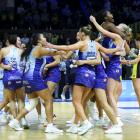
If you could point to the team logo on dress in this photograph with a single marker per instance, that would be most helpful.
(18, 82)
(9, 83)
(117, 71)
(86, 75)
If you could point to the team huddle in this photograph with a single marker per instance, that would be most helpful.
(34, 69)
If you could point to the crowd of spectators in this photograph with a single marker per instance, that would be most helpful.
(62, 14)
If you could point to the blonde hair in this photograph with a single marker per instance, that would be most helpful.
(125, 28)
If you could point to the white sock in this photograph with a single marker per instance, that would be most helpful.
(50, 125)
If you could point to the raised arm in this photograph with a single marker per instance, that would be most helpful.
(72, 47)
(103, 31)
(112, 28)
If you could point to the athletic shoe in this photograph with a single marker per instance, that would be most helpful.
(15, 125)
(73, 129)
(52, 129)
(92, 121)
(115, 129)
(84, 128)
(120, 123)
(24, 123)
(101, 122)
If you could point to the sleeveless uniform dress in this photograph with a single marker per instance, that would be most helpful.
(85, 74)
(101, 77)
(113, 67)
(33, 74)
(53, 74)
(12, 79)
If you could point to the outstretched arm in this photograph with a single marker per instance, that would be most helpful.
(49, 52)
(72, 47)
(68, 55)
(135, 60)
(106, 51)
(90, 62)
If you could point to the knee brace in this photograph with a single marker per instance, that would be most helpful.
(32, 104)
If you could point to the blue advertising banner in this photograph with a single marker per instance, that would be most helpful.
(128, 93)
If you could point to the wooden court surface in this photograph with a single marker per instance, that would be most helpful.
(64, 111)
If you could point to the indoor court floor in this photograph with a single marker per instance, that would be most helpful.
(64, 111)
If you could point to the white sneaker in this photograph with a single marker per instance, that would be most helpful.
(15, 125)
(92, 121)
(120, 123)
(24, 123)
(73, 129)
(101, 122)
(63, 97)
(84, 128)
(115, 129)
(3, 118)
(52, 129)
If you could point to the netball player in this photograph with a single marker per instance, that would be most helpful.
(12, 79)
(85, 74)
(33, 60)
